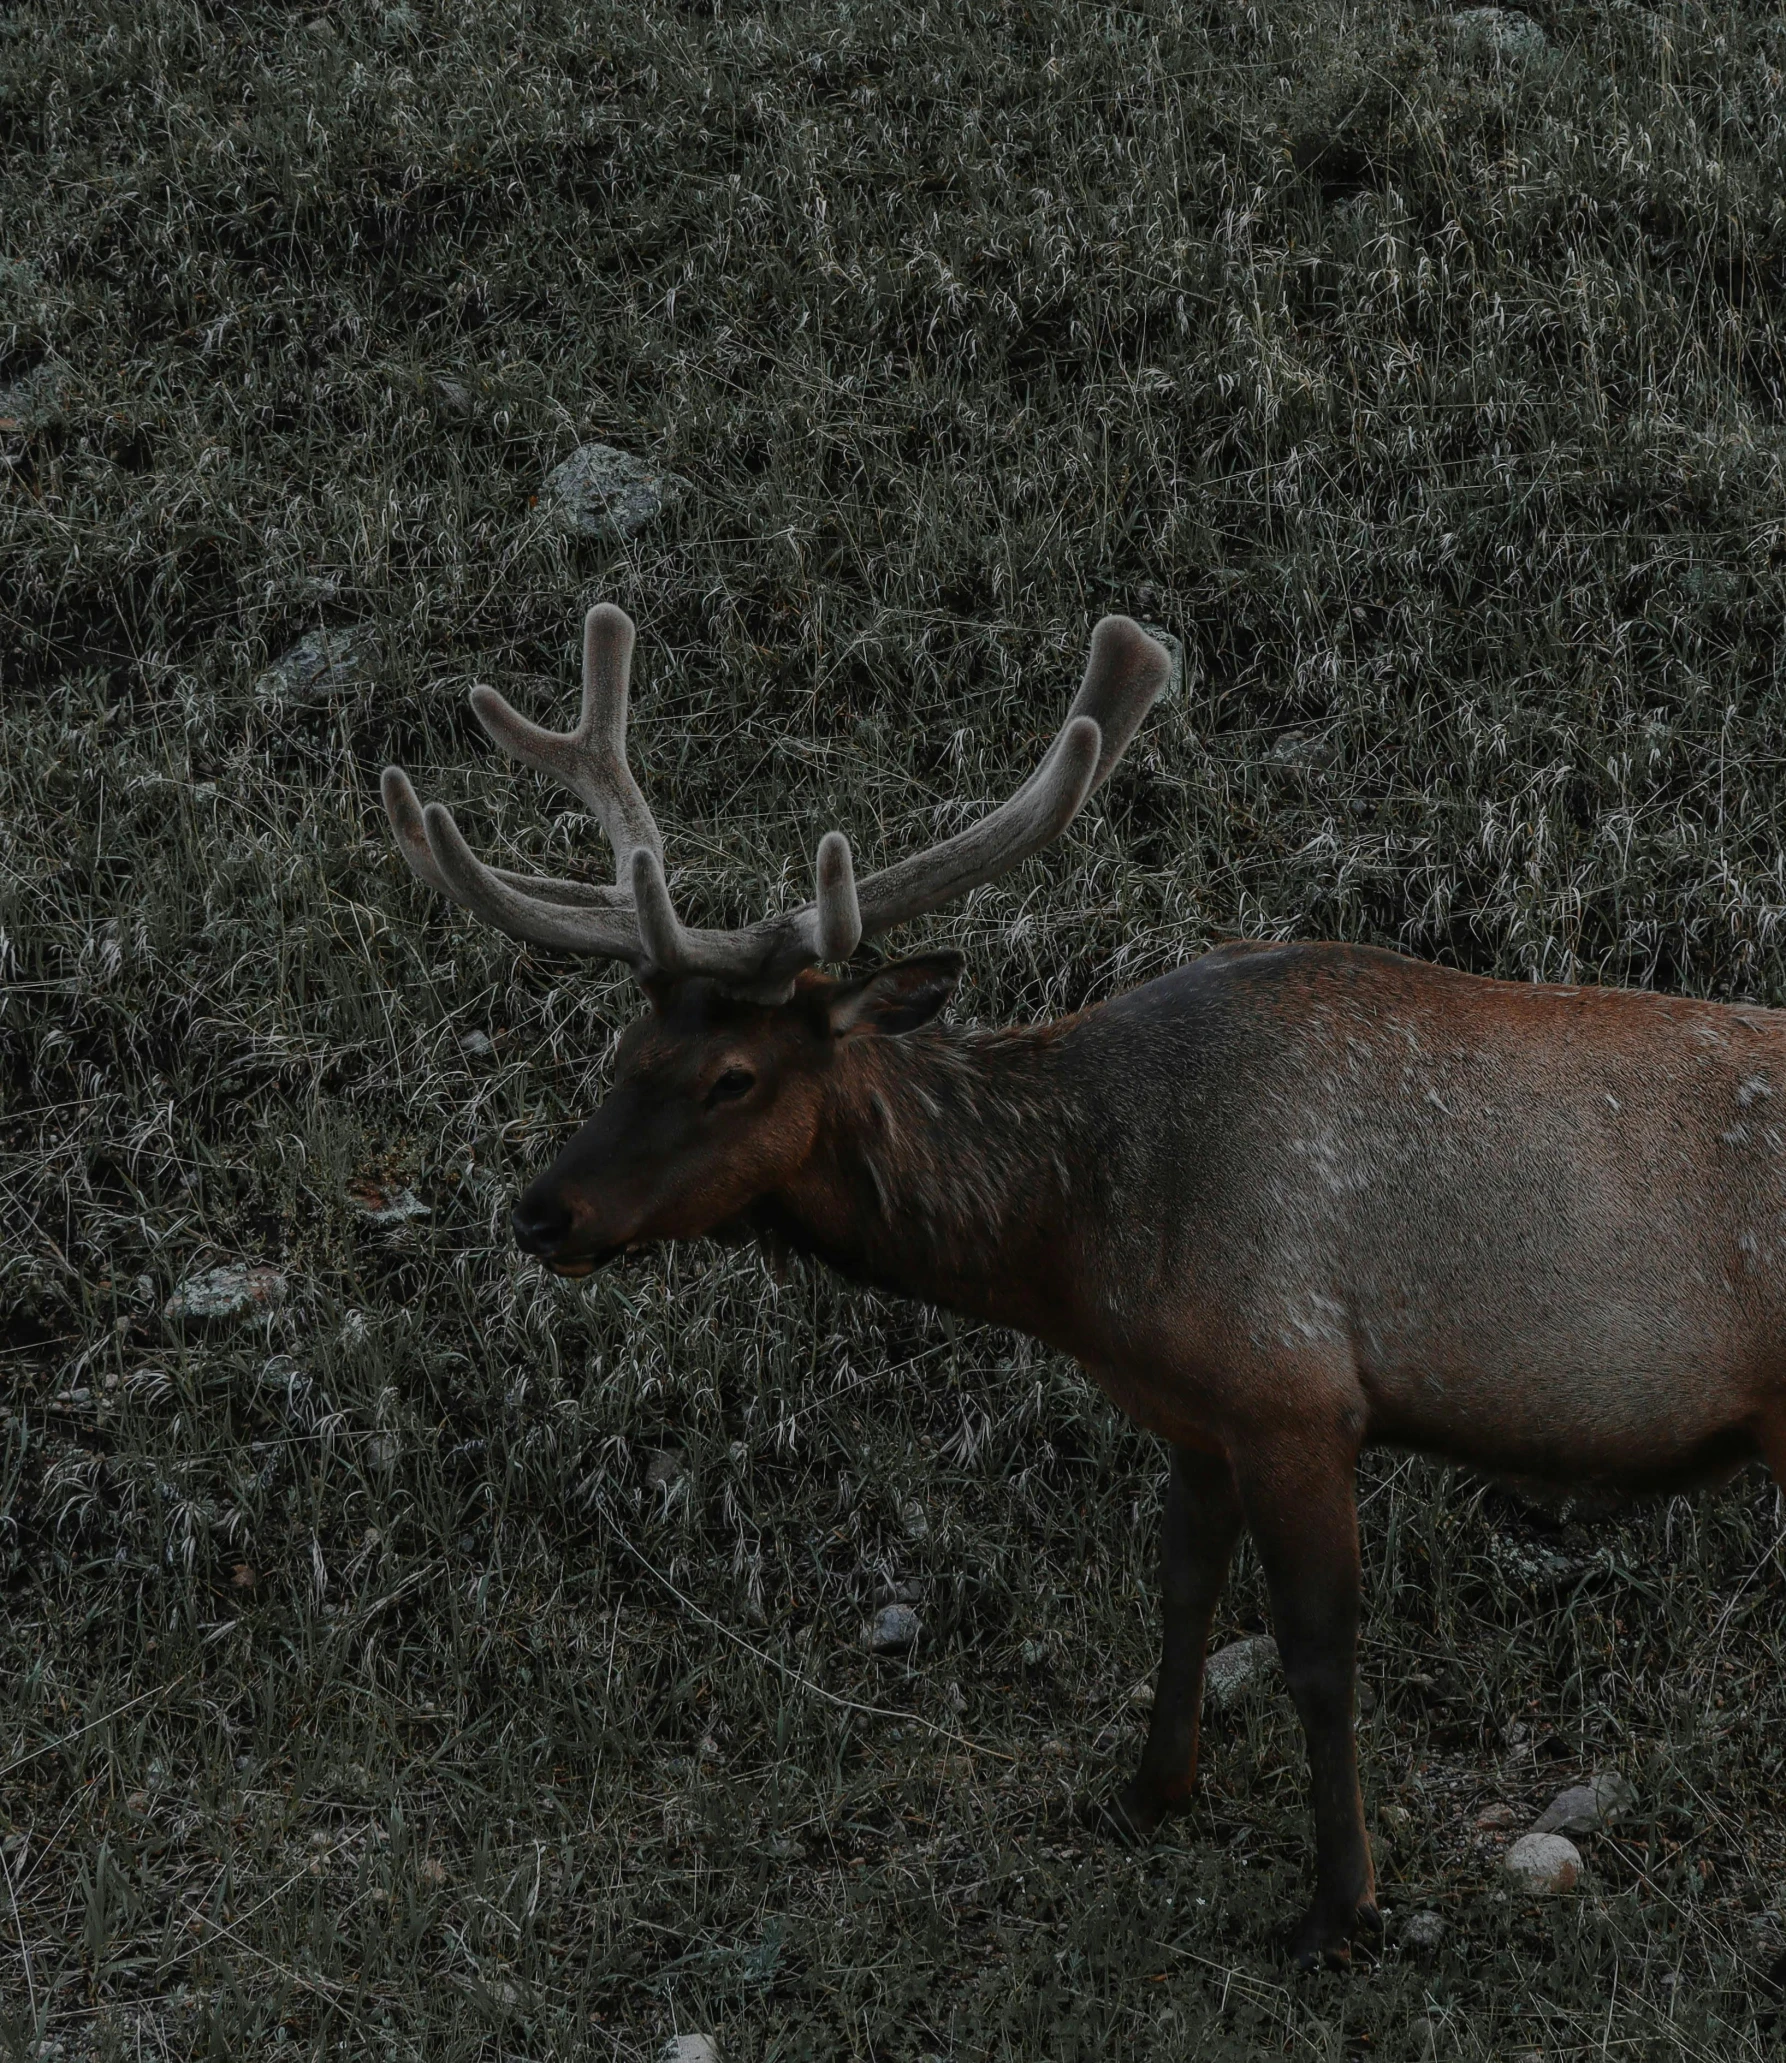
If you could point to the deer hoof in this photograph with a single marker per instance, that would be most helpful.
(1130, 1816)
(1323, 1937)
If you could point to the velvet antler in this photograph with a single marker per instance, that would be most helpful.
(636, 921)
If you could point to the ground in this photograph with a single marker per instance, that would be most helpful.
(441, 1661)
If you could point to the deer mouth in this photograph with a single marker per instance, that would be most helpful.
(573, 1267)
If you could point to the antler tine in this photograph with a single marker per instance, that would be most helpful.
(590, 760)
(1037, 814)
(405, 812)
(1124, 674)
(837, 914)
(512, 904)
(762, 959)
(404, 809)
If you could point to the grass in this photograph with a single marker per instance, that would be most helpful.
(367, 1687)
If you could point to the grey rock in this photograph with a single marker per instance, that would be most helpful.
(1574, 1811)
(1241, 1667)
(231, 1292)
(914, 1520)
(1422, 1932)
(454, 397)
(1614, 1795)
(477, 1045)
(318, 666)
(1543, 1864)
(665, 1468)
(892, 1630)
(1584, 1807)
(1498, 34)
(603, 491)
(690, 2048)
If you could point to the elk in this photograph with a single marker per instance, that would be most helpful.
(1282, 1202)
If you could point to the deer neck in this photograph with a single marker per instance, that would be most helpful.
(944, 1168)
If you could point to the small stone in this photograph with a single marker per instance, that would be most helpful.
(1543, 1864)
(1492, 1816)
(1614, 1795)
(1422, 1932)
(1240, 1667)
(316, 667)
(1499, 34)
(914, 1520)
(892, 1630)
(665, 1468)
(605, 492)
(383, 1204)
(690, 2048)
(1584, 1807)
(235, 1291)
(477, 1045)
(1574, 1811)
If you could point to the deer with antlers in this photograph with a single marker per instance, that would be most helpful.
(1283, 1202)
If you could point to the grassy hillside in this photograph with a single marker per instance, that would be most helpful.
(370, 1683)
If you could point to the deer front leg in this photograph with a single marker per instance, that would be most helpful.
(1202, 1523)
(1299, 1495)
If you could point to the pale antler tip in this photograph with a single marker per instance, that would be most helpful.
(839, 927)
(1122, 640)
(654, 913)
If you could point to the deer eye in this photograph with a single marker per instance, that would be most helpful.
(735, 1082)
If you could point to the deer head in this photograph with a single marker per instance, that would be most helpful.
(720, 1087)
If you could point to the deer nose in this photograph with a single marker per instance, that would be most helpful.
(542, 1223)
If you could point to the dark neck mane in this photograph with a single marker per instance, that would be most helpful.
(944, 1166)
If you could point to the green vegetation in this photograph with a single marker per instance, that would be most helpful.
(366, 1688)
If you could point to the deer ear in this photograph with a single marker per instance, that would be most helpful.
(893, 999)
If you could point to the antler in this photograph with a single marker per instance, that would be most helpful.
(636, 921)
